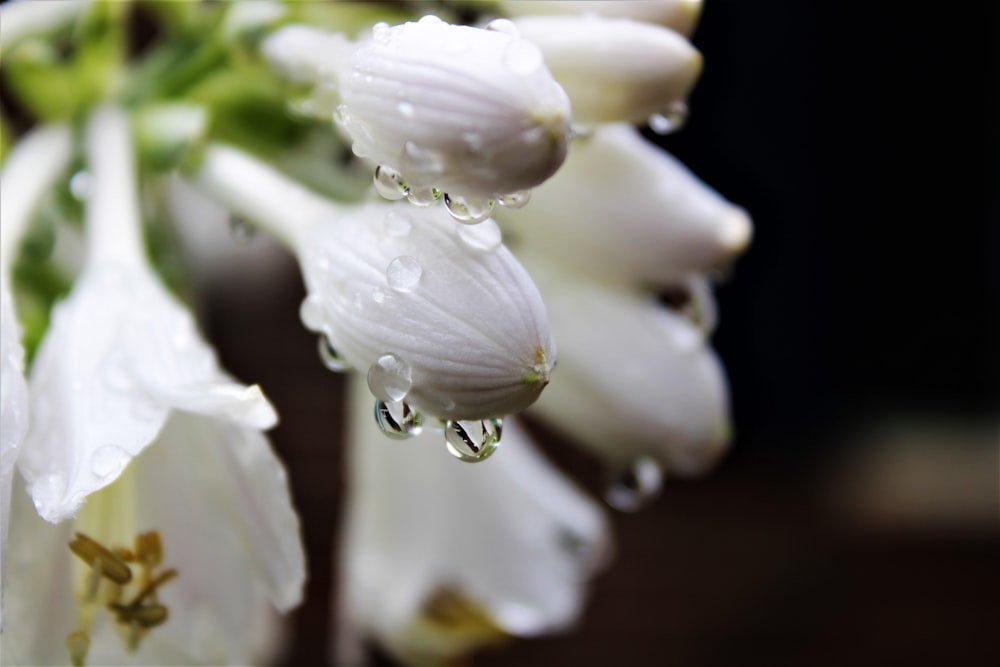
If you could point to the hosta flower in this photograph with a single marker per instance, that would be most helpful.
(679, 15)
(440, 558)
(122, 368)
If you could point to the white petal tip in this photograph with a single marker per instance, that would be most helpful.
(735, 231)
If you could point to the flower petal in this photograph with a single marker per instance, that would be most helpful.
(510, 538)
(680, 15)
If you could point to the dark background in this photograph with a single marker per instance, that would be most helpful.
(861, 137)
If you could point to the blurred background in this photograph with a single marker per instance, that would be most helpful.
(855, 520)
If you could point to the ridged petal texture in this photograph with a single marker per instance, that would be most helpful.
(469, 111)
(463, 323)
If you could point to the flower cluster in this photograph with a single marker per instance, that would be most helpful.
(148, 519)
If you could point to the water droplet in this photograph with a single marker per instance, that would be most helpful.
(424, 196)
(108, 461)
(484, 236)
(405, 109)
(397, 419)
(311, 313)
(473, 441)
(331, 358)
(81, 185)
(341, 116)
(670, 120)
(468, 210)
(403, 273)
(634, 485)
(505, 26)
(390, 378)
(241, 230)
(515, 200)
(389, 183)
(523, 57)
(397, 224)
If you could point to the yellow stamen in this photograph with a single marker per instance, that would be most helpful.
(101, 559)
(77, 643)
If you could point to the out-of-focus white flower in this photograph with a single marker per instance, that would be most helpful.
(120, 368)
(473, 113)
(625, 211)
(615, 69)
(27, 18)
(440, 559)
(679, 15)
(27, 174)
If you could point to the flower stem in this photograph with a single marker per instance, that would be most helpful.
(256, 191)
(33, 166)
(112, 210)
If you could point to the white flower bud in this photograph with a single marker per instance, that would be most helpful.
(469, 111)
(679, 15)
(634, 214)
(440, 313)
(615, 69)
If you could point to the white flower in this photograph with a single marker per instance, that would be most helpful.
(615, 69)
(679, 15)
(473, 113)
(441, 558)
(625, 211)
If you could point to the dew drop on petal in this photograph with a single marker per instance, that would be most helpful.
(634, 485)
(670, 120)
(397, 224)
(108, 461)
(523, 57)
(468, 210)
(240, 229)
(81, 184)
(424, 196)
(515, 200)
(390, 378)
(340, 115)
(397, 419)
(405, 109)
(473, 440)
(484, 236)
(504, 26)
(389, 183)
(311, 313)
(330, 357)
(403, 273)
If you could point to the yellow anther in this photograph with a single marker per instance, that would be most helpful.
(145, 616)
(149, 549)
(101, 559)
(152, 585)
(77, 643)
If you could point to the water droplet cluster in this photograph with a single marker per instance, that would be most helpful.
(634, 485)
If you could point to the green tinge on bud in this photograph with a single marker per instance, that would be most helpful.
(438, 313)
(615, 69)
(471, 112)
(165, 134)
(679, 15)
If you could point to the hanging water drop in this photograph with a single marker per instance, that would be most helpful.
(397, 419)
(468, 210)
(670, 120)
(515, 200)
(81, 185)
(331, 358)
(473, 441)
(403, 273)
(523, 57)
(504, 26)
(240, 229)
(424, 196)
(311, 313)
(389, 183)
(390, 378)
(634, 485)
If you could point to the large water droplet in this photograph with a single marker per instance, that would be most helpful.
(523, 57)
(504, 26)
(473, 441)
(311, 313)
(403, 273)
(389, 183)
(390, 378)
(240, 229)
(634, 485)
(397, 419)
(669, 120)
(81, 185)
(331, 358)
(108, 461)
(468, 210)
(423, 196)
(484, 236)
(515, 200)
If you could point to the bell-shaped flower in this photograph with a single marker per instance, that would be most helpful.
(622, 210)
(635, 379)
(616, 69)
(122, 367)
(470, 112)
(679, 15)
(437, 313)
(29, 171)
(440, 558)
